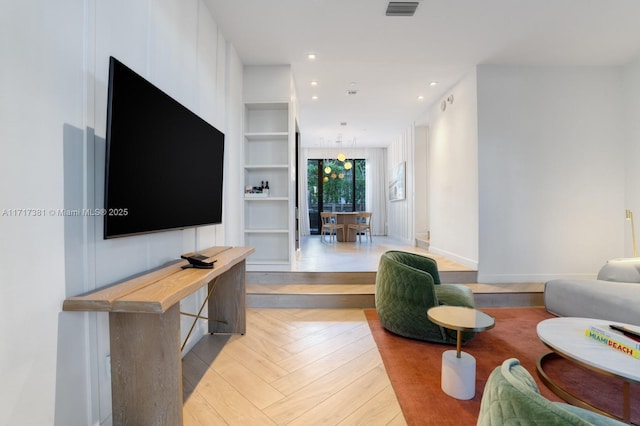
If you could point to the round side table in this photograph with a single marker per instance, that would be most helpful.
(458, 377)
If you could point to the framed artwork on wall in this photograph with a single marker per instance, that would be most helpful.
(397, 183)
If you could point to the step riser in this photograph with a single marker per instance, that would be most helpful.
(359, 301)
(458, 277)
(367, 301)
(446, 277)
(310, 277)
(311, 301)
(498, 300)
(423, 244)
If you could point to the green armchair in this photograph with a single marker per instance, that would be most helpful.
(407, 285)
(511, 397)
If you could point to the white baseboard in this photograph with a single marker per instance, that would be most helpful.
(452, 256)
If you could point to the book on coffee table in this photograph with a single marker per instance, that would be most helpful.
(615, 339)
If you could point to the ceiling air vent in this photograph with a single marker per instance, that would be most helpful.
(402, 8)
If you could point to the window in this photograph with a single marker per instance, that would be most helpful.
(334, 188)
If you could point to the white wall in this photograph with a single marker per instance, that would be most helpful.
(421, 181)
(40, 90)
(53, 112)
(551, 171)
(400, 213)
(453, 174)
(267, 83)
(531, 169)
(631, 104)
(234, 150)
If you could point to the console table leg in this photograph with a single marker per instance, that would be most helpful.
(227, 304)
(146, 368)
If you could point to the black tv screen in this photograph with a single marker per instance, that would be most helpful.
(164, 164)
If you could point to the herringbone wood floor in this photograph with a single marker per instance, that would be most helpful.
(293, 367)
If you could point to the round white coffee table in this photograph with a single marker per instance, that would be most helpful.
(458, 378)
(566, 337)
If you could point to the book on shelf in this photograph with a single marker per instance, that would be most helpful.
(615, 339)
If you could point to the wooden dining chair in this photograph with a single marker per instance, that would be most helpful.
(330, 224)
(362, 225)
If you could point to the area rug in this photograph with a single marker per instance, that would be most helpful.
(414, 369)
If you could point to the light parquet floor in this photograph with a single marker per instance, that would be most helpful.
(292, 367)
(298, 366)
(317, 255)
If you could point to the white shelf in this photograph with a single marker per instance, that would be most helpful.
(256, 106)
(266, 231)
(258, 136)
(268, 222)
(272, 246)
(266, 166)
(266, 199)
(267, 149)
(266, 118)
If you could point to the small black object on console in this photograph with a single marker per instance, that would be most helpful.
(198, 261)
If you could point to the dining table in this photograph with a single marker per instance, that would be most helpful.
(346, 219)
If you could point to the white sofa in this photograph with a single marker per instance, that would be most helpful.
(613, 296)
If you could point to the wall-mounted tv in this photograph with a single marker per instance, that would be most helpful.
(164, 164)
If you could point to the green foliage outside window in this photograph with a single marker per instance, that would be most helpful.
(334, 187)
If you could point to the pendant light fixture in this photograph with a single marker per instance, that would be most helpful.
(325, 159)
(348, 164)
(341, 156)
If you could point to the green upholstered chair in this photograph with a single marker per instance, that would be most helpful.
(407, 285)
(511, 397)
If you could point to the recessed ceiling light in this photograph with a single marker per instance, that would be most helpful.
(311, 56)
(433, 83)
(420, 97)
(314, 83)
(314, 97)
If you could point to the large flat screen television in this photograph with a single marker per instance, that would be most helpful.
(164, 164)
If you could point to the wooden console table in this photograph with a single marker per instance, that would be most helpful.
(144, 330)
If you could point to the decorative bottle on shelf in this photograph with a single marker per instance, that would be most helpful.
(261, 186)
(266, 189)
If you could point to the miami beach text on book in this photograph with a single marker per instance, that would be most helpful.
(614, 340)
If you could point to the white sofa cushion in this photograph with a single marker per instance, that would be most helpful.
(625, 270)
(605, 300)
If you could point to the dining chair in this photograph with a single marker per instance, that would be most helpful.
(362, 225)
(330, 224)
